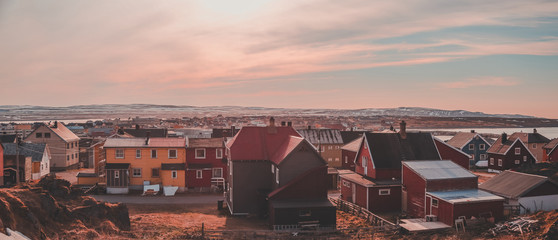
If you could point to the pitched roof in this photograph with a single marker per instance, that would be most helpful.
(530, 137)
(389, 149)
(440, 141)
(466, 196)
(512, 184)
(322, 136)
(353, 146)
(294, 184)
(260, 143)
(142, 132)
(285, 149)
(349, 136)
(358, 179)
(140, 142)
(502, 148)
(62, 131)
(7, 138)
(552, 144)
(205, 142)
(33, 150)
(173, 166)
(462, 138)
(435, 170)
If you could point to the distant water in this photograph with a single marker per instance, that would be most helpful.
(64, 120)
(549, 132)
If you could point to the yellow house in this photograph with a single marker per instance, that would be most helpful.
(132, 163)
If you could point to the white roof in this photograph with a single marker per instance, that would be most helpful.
(433, 170)
(466, 196)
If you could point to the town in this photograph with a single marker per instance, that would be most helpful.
(291, 175)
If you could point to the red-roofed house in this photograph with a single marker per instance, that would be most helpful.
(508, 153)
(448, 152)
(273, 170)
(348, 154)
(206, 166)
(551, 154)
(63, 145)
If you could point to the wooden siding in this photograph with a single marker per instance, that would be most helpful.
(448, 153)
(451, 184)
(415, 187)
(251, 182)
(544, 189)
(121, 181)
(63, 154)
(210, 158)
(508, 160)
(348, 158)
(1, 165)
(326, 216)
(384, 203)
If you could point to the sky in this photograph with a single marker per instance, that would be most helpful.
(477, 55)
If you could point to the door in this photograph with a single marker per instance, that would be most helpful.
(353, 187)
(428, 207)
(404, 200)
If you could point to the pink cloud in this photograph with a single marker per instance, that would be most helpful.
(481, 82)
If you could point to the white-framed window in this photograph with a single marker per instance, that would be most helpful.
(517, 151)
(482, 146)
(329, 147)
(534, 145)
(172, 153)
(525, 158)
(364, 161)
(329, 159)
(483, 157)
(517, 161)
(155, 172)
(217, 172)
(471, 146)
(337, 159)
(230, 167)
(499, 162)
(323, 149)
(277, 175)
(200, 153)
(491, 161)
(336, 147)
(384, 191)
(219, 153)
(138, 153)
(153, 153)
(117, 174)
(272, 168)
(304, 213)
(174, 174)
(346, 159)
(119, 153)
(199, 174)
(434, 202)
(136, 172)
(346, 184)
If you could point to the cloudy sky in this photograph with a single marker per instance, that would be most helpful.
(491, 56)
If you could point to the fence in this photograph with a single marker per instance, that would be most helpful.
(378, 223)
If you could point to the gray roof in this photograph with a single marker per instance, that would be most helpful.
(466, 196)
(33, 150)
(322, 136)
(434, 170)
(512, 184)
(173, 166)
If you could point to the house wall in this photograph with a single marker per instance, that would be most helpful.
(120, 182)
(348, 159)
(301, 160)
(87, 180)
(546, 188)
(250, 181)
(508, 160)
(537, 203)
(448, 153)
(210, 158)
(1, 165)
(146, 163)
(451, 184)
(476, 209)
(553, 156)
(537, 150)
(476, 152)
(331, 153)
(378, 174)
(346, 190)
(179, 181)
(415, 187)
(205, 182)
(310, 187)
(25, 166)
(64, 154)
(291, 216)
(98, 155)
(384, 203)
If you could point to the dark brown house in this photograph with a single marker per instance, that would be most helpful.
(508, 153)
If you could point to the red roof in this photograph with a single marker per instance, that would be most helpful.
(263, 143)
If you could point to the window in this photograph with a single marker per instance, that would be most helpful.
(153, 153)
(76, 155)
(155, 172)
(517, 161)
(119, 153)
(482, 146)
(434, 202)
(218, 153)
(174, 174)
(384, 192)
(336, 147)
(329, 147)
(304, 213)
(38, 135)
(72, 156)
(67, 158)
(364, 161)
(136, 172)
(172, 153)
(517, 151)
(116, 174)
(329, 159)
(337, 159)
(483, 157)
(277, 175)
(272, 168)
(200, 153)
(138, 153)
(525, 158)
(499, 162)
(346, 159)
(471, 146)
(199, 174)
(323, 149)
(67, 146)
(217, 172)
(346, 184)
(491, 161)
(534, 145)
(47, 135)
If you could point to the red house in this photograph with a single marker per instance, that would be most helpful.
(508, 153)
(445, 191)
(376, 184)
(206, 166)
(550, 151)
(448, 152)
(348, 154)
(1, 165)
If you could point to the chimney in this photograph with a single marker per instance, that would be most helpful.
(283, 123)
(272, 122)
(403, 130)
(290, 124)
(55, 124)
(472, 131)
(147, 135)
(504, 137)
(309, 127)
(271, 128)
(534, 130)
(232, 130)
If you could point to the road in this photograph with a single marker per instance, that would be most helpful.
(178, 199)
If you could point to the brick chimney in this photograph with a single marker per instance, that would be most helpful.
(137, 126)
(473, 131)
(55, 124)
(403, 130)
(283, 123)
(290, 124)
(147, 135)
(534, 130)
(271, 129)
(504, 137)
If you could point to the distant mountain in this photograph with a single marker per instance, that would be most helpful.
(26, 112)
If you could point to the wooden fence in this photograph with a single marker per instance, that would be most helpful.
(376, 221)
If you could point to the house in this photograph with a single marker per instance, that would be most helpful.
(448, 152)
(527, 192)
(224, 132)
(63, 145)
(134, 162)
(1, 165)
(206, 165)
(508, 153)
(8, 138)
(550, 151)
(39, 153)
(534, 142)
(145, 132)
(376, 183)
(445, 191)
(348, 154)
(274, 171)
(471, 143)
(15, 163)
(328, 142)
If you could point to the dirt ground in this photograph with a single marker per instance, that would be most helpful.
(484, 175)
